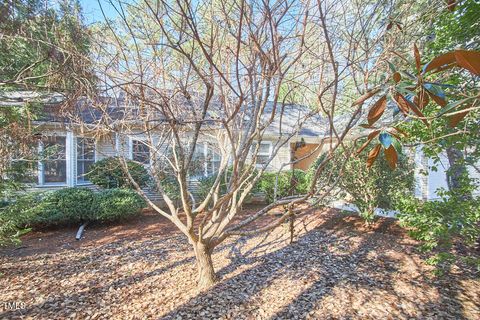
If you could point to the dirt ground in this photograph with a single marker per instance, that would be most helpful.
(144, 269)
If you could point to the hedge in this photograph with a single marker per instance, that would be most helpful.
(70, 206)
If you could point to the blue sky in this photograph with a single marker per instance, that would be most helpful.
(92, 12)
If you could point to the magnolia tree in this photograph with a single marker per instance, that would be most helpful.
(207, 81)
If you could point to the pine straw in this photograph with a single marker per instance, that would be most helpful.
(335, 269)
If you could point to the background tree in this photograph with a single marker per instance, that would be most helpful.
(43, 54)
(452, 223)
(436, 93)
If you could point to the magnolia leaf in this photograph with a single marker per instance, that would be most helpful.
(417, 57)
(377, 110)
(370, 137)
(435, 89)
(441, 102)
(451, 4)
(373, 134)
(405, 89)
(456, 118)
(391, 156)
(421, 99)
(397, 145)
(385, 139)
(396, 110)
(445, 67)
(412, 106)
(366, 126)
(469, 60)
(400, 131)
(402, 103)
(392, 67)
(393, 133)
(442, 60)
(419, 113)
(373, 155)
(397, 77)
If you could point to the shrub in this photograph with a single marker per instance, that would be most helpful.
(205, 184)
(16, 215)
(170, 186)
(371, 188)
(443, 224)
(108, 173)
(291, 182)
(67, 206)
(117, 204)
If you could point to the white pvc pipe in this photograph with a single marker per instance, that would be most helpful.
(80, 231)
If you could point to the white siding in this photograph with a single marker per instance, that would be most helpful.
(281, 159)
(105, 147)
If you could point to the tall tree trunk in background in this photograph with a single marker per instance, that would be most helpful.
(206, 272)
(457, 169)
(455, 173)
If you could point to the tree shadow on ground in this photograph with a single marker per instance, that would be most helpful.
(328, 259)
(352, 270)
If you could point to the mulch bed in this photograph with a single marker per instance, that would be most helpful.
(143, 268)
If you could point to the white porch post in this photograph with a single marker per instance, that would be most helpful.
(70, 158)
(40, 165)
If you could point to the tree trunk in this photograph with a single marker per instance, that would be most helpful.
(206, 272)
(457, 169)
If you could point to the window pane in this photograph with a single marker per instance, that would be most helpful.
(85, 157)
(85, 149)
(263, 154)
(197, 166)
(264, 148)
(140, 152)
(55, 171)
(213, 160)
(262, 159)
(54, 147)
(83, 167)
(55, 168)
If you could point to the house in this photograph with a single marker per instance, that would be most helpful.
(79, 143)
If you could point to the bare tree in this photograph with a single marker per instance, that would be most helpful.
(214, 78)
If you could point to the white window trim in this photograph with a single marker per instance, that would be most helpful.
(269, 153)
(75, 159)
(68, 163)
(117, 144)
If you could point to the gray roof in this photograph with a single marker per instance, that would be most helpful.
(288, 118)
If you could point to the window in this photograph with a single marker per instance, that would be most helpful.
(85, 157)
(213, 161)
(140, 152)
(54, 167)
(197, 166)
(206, 161)
(264, 152)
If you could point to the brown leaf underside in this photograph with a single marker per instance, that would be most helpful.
(391, 156)
(377, 110)
(373, 155)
